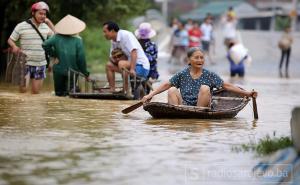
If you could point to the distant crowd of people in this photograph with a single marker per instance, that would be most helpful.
(189, 35)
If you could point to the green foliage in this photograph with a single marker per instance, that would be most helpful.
(95, 12)
(96, 49)
(266, 145)
(282, 22)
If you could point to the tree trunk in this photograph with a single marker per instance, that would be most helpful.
(3, 36)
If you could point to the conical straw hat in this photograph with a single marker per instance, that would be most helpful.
(69, 25)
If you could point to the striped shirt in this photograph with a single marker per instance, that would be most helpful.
(31, 42)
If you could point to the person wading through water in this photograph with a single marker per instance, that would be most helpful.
(31, 45)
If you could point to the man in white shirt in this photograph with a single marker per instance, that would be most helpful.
(137, 62)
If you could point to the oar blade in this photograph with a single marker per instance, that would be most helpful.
(132, 107)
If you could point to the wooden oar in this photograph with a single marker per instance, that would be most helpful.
(254, 108)
(132, 107)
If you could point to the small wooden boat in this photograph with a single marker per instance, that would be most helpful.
(98, 89)
(101, 95)
(225, 105)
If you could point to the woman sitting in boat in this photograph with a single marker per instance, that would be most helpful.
(195, 84)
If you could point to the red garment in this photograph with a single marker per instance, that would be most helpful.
(195, 37)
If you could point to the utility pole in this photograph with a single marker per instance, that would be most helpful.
(293, 15)
(273, 20)
(165, 9)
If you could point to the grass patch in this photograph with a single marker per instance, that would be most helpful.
(266, 145)
(269, 145)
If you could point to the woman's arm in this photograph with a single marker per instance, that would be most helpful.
(235, 89)
(160, 89)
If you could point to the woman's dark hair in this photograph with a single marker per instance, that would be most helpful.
(112, 26)
(193, 50)
(230, 44)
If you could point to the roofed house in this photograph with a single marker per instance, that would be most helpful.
(274, 10)
(218, 8)
(252, 14)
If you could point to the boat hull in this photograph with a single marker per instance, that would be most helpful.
(225, 105)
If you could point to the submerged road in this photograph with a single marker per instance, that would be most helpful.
(53, 140)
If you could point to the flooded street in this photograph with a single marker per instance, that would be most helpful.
(52, 140)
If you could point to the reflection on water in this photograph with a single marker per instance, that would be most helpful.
(53, 140)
